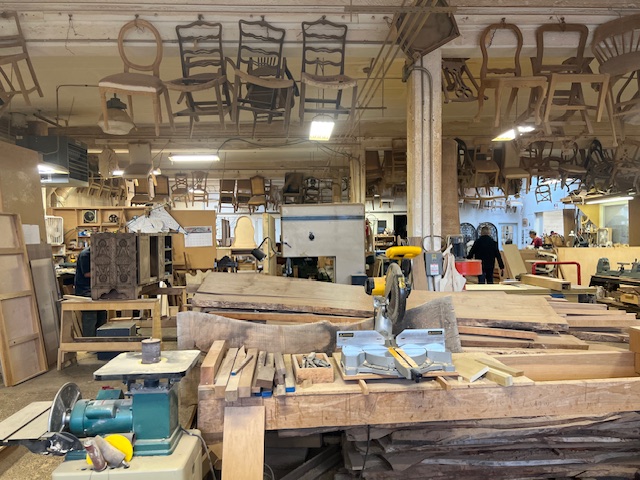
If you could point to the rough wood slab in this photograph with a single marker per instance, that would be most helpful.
(543, 341)
(247, 292)
(498, 332)
(243, 434)
(555, 284)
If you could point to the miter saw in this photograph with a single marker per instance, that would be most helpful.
(146, 413)
(413, 352)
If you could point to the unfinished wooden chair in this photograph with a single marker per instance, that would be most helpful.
(227, 194)
(261, 85)
(258, 194)
(203, 85)
(130, 83)
(180, 189)
(323, 59)
(13, 54)
(199, 187)
(455, 75)
(513, 177)
(506, 78)
(615, 45)
(243, 193)
(141, 192)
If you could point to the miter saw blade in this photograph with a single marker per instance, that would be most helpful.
(62, 405)
(396, 293)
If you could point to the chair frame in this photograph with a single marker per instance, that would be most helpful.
(199, 187)
(225, 192)
(181, 186)
(195, 55)
(154, 68)
(333, 46)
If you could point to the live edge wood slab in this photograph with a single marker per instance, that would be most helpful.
(342, 403)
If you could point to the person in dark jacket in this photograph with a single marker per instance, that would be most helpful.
(486, 249)
(91, 320)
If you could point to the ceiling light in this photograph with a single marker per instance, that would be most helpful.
(321, 130)
(156, 171)
(512, 133)
(117, 173)
(609, 199)
(119, 121)
(51, 168)
(194, 157)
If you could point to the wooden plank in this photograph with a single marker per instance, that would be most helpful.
(289, 379)
(497, 332)
(281, 369)
(262, 357)
(500, 377)
(231, 392)
(543, 341)
(555, 284)
(247, 374)
(222, 378)
(468, 368)
(590, 321)
(243, 434)
(514, 260)
(282, 317)
(9, 426)
(573, 366)
(47, 297)
(212, 362)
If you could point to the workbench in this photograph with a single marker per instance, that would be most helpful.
(70, 345)
(585, 383)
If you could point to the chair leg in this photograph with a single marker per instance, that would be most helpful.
(156, 114)
(480, 103)
(219, 103)
(303, 88)
(130, 101)
(167, 101)
(23, 88)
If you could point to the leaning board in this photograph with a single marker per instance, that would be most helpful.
(22, 352)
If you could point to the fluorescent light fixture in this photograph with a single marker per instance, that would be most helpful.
(608, 200)
(512, 133)
(117, 173)
(321, 130)
(156, 171)
(51, 168)
(120, 122)
(194, 157)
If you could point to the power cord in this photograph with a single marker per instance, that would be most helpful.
(272, 476)
(206, 449)
(366, 452)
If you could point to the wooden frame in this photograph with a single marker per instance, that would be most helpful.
(22, 350)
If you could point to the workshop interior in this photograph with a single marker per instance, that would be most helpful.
(322, 241)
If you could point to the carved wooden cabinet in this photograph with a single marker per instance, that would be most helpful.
(123, 263)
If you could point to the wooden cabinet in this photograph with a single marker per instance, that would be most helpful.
(123, 263)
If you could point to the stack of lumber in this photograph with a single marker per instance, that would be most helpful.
(241, 373)
(594, 321)
(532, 447)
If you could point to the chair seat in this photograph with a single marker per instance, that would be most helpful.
(512, 173)
(257, 200)
(330, 81)
(135, 82)
(485, 166)
(572, 169)
(625, 63)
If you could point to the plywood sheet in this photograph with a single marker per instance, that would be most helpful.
(47, 296)
(513, 258)
(196, 257)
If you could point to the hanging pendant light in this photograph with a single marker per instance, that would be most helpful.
(119, 121)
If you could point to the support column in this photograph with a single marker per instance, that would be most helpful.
(358, 173)
(424, 150)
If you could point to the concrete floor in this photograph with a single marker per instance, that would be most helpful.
(19, 463)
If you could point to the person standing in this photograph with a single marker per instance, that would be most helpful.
(91, 319)
(536, 241)
(486, 249)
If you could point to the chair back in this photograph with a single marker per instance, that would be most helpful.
(566, 34)
(615, 43)
(199, 180)
(162, 185)
(200, 46)
(486, 40)
(260, 49)
(140, 26)
(141, 186)
(323, 46)
(180, 182)
(243, 191)
(11, 43)
(293, 182)
(257, 185)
